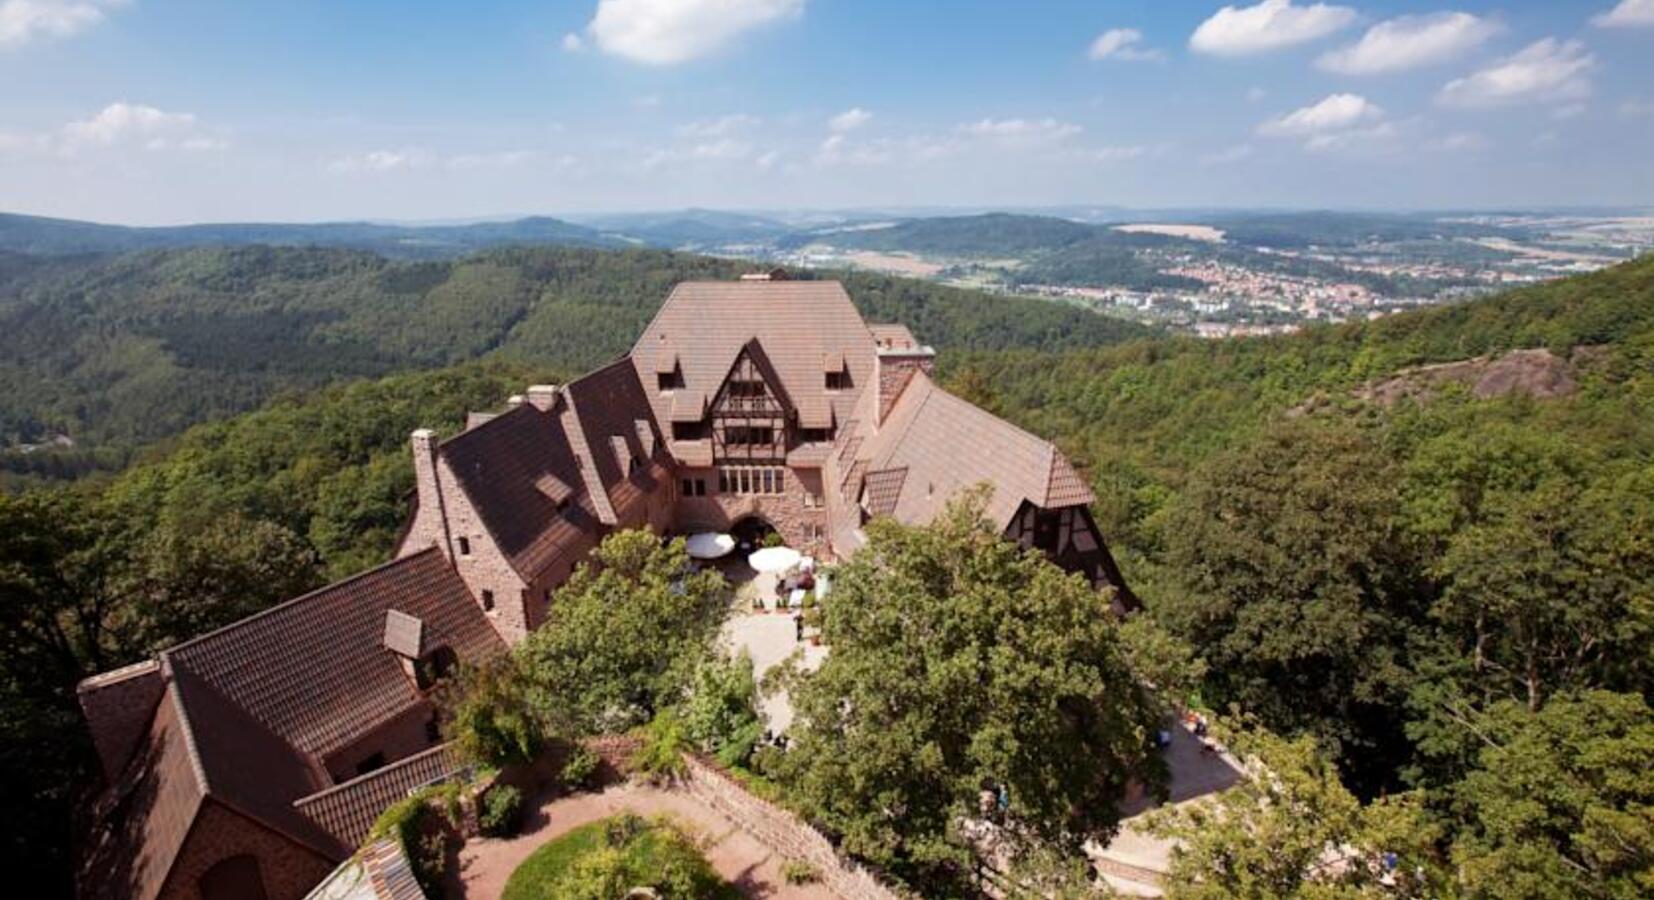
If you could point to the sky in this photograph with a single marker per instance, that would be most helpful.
(171, 111)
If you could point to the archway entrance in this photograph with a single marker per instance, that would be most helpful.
(751, 532)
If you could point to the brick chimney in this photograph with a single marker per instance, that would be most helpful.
(433, 513)
(894, 369)
(542, 396)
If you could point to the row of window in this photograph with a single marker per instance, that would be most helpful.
(752, 480)
(673, 381)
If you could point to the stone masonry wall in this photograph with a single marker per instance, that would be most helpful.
(782, 832)
(289, 870)
(788, 511)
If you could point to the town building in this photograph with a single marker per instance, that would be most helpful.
(249, 762)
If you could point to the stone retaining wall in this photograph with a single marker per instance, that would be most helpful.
(782, 832)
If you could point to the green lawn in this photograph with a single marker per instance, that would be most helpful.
(658, 855)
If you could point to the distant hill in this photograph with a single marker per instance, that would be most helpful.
(120, 351)
(991, 235)
(690, 228)
(47, 236)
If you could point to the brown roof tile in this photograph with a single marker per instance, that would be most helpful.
(883, 489)
(347, 811)
(314, 670)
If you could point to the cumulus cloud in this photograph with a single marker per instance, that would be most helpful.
(1410, 42)
(381, 161)
(1119, 154)
(1271, 25)
(849, 120)
(1123, 44)
(22, 21)
(1334, 113)
(667, 32)
(573, 43)
(1025, 131)
(127, 124)
(1547, 70)
(1370, 138)
(1637, 109)
(719, 127)
(1457, 142)
(1628, 14)
(842, 150)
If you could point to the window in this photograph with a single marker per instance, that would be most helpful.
(752, 480)
(433, 732)
(838, 381)
(750, 435)
(376, 761)
(694, 487)
(746, 390)
(488, 601)
(464, 546)
(689, 431)
(815, 435)
(670, 381)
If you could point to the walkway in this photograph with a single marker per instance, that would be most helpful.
(485, 864)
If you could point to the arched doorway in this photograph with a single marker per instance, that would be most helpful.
(751, 532)
(236, 878)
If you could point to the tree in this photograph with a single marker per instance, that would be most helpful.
(1560, 804)
(489, 717)
(624, 636)
(1291, 829)
(721, 712)
(962, 663)
(1296, 586)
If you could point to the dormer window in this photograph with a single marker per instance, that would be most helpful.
(487, 601)
(669, 381)
(838, 381)
(464, 546)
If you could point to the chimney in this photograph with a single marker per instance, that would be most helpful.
(428, 486)
(894, 369)
(542, 396)
(514, 401)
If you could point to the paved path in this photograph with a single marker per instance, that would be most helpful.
(485, 864)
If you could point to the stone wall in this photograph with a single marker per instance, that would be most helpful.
(782, 832)
(790, 511)
(288, 869)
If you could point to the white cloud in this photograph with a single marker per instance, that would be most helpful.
(840, 149)
(1352, 139)
(1271, 25)
(381, 161)
(722, 126)
(1459, 141)
(1022, 131)
(1637, 109)
(1410, 42)
(647, 101)
(1255, 94)
(503, 159)
(1118, 154)
(1334, 113)
(1227, 155)
(1628, 14)
(1547, 70)
(573, 43)
(849, 120)
(22, 21)
(666, 32)
(125, 123)
(1568, 111)
(1123, 44)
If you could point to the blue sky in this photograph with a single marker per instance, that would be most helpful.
(157, 111)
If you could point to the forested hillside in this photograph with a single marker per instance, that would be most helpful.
(122, 351)
(1393, 579)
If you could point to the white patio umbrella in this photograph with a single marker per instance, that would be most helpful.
(774, 559)
(709, 545)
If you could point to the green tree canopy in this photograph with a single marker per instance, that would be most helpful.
(962, 663)
(624, 635)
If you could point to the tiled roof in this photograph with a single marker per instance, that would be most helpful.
(347, 811)
(895, 337)
(800, 325)
(314, 670)
(883, 488)
(949, 445)
(517, 470)
(606, 407)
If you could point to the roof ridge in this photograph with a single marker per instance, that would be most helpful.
(279, 607)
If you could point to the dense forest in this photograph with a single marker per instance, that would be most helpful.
(1448, 593)
(117, 352)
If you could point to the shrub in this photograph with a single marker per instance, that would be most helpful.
(660, 756)
(580, 769)
(797, 871)
(407, 822)
(489, 718)
(774, 539)
(502, 811)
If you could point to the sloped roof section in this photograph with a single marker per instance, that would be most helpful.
(799, 324)
(347, 811)
(605, 408)
(404, 634)
(521, 473)
(314, 670)
(948, 445)
(883, 489)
